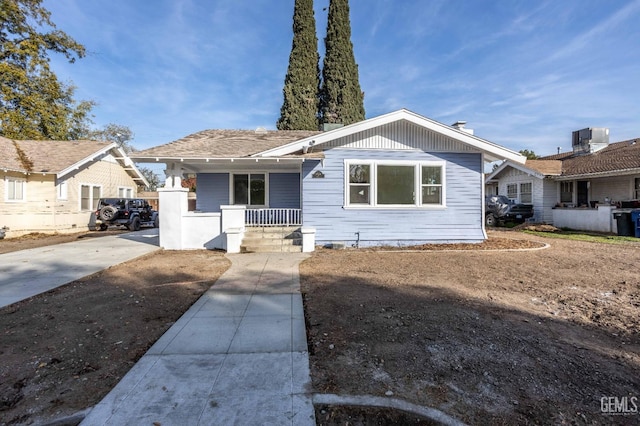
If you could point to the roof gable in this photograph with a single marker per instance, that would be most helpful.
(60, 157)
(370, 132)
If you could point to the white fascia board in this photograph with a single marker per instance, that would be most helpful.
(130, 166)
(86, 160)
(490, 149)
(217, 160)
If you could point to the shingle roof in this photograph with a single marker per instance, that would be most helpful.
(617, 156)
(45, 156)
(224, 144)
(546, 167)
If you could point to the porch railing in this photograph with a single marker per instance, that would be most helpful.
(273, 217)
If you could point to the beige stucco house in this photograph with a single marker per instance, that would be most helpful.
(53, 186)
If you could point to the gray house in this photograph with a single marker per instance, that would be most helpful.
(396, 179)
(579, 189)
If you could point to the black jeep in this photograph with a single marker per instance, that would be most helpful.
(129, 212)
(500, 209)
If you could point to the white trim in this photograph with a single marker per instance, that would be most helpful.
(490, 149)
(92, 202)
(523, 168)
(373, 185)
(62, 190)
(125, 189)
(16, 180)
(249, 173)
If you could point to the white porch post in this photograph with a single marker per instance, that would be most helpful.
(308, 239)
(173, 206)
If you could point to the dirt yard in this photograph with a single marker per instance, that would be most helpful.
(63, 351)
(530, 337)
(533, 337)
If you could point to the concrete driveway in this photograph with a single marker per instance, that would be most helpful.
(25, 273)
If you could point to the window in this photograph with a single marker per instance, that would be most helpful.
(250, 189)
(637, 191)
(431, 185)
(62, 191)
(512, 191)
(525, 193)
(401, 183)
(566, 192)
(359, 184)
(124, 192)
(15, 189)
(396, 185)
(89, 196)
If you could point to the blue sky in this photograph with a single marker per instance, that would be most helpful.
(523, 74)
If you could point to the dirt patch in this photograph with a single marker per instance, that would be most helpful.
(35, 240)
(530, 337)
(64, 350)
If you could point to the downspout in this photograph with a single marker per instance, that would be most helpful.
(482, 195)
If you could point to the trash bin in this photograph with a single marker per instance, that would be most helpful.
(623, 220)
(635, 222)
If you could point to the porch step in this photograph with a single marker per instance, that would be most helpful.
(272, 240)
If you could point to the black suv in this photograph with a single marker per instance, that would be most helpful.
(500, 209)
(130, 212)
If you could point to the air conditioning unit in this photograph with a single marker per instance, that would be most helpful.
(590, 140)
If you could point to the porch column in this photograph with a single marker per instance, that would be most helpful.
(173, 206)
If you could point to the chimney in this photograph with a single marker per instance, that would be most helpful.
(460, 126)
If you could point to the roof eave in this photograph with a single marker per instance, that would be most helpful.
(612, 173)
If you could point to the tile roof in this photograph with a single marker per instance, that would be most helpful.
(45, 156)
(546, 167)
(224, 144)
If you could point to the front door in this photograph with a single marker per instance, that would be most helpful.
(250, 189)
(583, 193)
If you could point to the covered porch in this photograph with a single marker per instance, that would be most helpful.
(234, 198)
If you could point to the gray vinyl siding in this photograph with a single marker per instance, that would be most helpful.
(212, 191)
(284, 190)
(460, 221)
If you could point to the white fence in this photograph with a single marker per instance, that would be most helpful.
(273, 217)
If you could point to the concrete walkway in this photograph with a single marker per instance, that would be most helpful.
(237, 356)
(25, 273)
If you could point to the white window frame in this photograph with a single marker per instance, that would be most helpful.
(15, 180)
(128, 192)
(520, 192)
(249, 173)
(567, 183)
(510, 194)
(63, 190)
(417, 185)
(92, 201)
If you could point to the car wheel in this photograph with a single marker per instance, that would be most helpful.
(135, 224)
(490, 220)
(156, 222)
(108, 212)
(104, 227)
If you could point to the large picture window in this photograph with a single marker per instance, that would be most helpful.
(402, 183)
(249, 189)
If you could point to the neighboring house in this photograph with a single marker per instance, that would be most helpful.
(54, 186)
(397, 179)
(573, 186)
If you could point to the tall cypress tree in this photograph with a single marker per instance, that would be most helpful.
(301, 85)
(341, 99)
